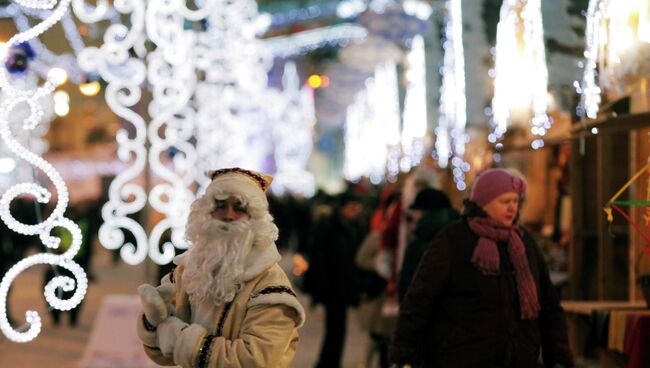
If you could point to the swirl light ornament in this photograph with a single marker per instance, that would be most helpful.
(125, 75)
(14, 97)
(188, 133)
(520, 55)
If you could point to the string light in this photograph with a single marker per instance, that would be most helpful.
(450, 133)
(303, 42)
(292, 135)
(520, 55)
(125, 75)
(372, 128)
(14, 97)
(613, 64)
(415, 107)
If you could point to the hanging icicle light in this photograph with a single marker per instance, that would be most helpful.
(415, 107)
(618, 46)
(450, 133)
(13, 97)
(520, 56)
(590, 91)
(387, 116)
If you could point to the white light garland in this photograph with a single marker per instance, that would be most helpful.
(520, 55)
(590, 91)
(388, 116)
(302, 42)
(450, 133)
(372, 128)
(618, 45)
(125, 75)
(233, 132)
(292, 135)
(414, 125)
(14, 97)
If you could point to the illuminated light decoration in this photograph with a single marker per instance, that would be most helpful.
(292, 136)
(315, 81)
(33, 139)
(7, 165)
(414, 125)
(590, 91)
(14, 97)
(621, 62)
(90, 89)
(325, 81)
(125, 75)
(350, 8)
(520, 55)
(450, 133)
(372, 128)
(61, 103)
(46, 58)
(303, 42)
(171, 73)
(417, 8)
(365, 145)
(233, 132)
(387, 117)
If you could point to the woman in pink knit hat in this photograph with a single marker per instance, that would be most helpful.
(482, 295)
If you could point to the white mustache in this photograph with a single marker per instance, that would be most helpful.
(233, 227)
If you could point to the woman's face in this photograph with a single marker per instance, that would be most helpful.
(503, 208)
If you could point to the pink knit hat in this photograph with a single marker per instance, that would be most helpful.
(492, 183)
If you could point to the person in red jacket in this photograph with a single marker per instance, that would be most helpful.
(482, 295)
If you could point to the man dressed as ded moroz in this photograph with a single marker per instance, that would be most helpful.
(227, 303)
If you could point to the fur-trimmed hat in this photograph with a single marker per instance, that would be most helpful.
(248, 184)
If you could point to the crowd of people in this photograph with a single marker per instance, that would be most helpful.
(435, 285)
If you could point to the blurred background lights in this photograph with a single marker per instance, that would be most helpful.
(90, 89)
(58, 76)
(7, 165)
(61, 103)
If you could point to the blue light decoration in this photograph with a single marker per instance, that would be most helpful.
(18, 58)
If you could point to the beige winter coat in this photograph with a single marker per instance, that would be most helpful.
(257, 329)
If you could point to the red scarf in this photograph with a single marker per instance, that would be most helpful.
(486, 259)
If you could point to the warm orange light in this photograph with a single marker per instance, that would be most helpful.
(325, 81)
(315, 81)
(90, 89)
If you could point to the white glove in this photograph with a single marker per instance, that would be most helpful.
(155, 302)
(168, 332)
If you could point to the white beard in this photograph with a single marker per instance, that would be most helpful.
(216, 260)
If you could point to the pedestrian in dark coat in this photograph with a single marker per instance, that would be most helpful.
(332, 276)
(431, 211)
(482, 296)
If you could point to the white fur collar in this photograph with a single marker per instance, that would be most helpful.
(260, 259)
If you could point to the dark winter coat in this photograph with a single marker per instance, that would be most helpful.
(333, 277)
(454, 316)
(425, 230)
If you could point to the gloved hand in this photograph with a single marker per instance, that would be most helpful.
(168, 332)
(156, 302)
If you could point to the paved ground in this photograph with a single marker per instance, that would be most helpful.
(63, 346)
